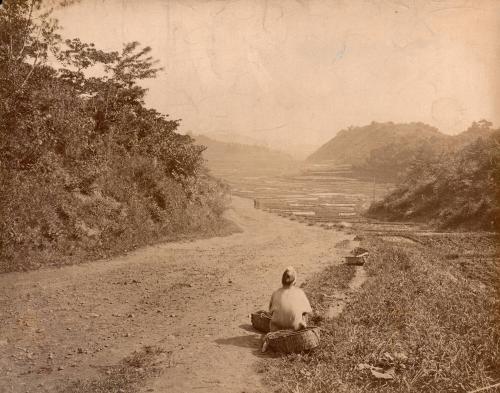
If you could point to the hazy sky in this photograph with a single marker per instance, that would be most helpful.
(294, 72)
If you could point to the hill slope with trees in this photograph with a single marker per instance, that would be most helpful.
(354, 145)
(87, 170)
(454, 189)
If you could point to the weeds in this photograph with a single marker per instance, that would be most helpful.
(123, 377)
(419, 314)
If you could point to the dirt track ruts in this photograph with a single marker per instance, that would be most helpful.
(191, 298)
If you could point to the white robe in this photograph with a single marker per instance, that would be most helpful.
(288, 306)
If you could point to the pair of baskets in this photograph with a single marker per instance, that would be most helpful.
(286, 341)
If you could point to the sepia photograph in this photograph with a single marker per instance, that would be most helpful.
(249, 196)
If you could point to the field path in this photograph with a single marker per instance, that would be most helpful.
(191, 298)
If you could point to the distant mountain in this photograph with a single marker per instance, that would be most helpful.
(298, 149)
(228, 137)
(386, 150)
(229, 160)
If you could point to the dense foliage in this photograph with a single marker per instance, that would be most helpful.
(451, 189)
(86, 169)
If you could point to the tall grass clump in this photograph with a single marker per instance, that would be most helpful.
(419, 313)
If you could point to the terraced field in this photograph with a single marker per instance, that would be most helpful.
(321, 194)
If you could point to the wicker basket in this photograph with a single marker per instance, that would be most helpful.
(261, 321)
(360, 251)
(356, 261)
(288, 341)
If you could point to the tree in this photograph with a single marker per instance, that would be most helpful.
(26, 36)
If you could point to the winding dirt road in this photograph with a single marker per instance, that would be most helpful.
(191, 298)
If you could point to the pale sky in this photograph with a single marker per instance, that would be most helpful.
(294, 72)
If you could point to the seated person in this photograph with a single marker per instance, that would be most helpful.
(289, 305)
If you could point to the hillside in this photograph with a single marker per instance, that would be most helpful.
(455, 189)
(479, 129)
(386, 150)
(86, 169)
(228, 159)
(354, 145)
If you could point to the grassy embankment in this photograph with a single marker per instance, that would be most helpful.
(429, 310)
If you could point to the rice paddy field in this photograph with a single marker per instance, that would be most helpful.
(323, 194)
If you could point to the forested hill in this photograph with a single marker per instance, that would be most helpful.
(223, 158)
(86, 169)
(480, 129)
(455, 189)
(386, 150)
(354, 145)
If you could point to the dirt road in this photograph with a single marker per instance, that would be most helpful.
(191, 298)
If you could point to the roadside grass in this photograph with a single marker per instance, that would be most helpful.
(125, 376)
(430, 318)
(325, 287)
(70, 253)
(333, 277)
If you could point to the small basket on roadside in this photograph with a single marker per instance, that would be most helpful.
(261, 320)
(288, 341)
(360, 251)
(358, 258)
(355, 260)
